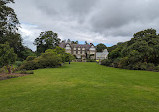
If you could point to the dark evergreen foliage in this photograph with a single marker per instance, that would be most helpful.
(140, 53)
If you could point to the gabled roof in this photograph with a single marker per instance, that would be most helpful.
(87, 46)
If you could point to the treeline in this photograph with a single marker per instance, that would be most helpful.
(140, 53)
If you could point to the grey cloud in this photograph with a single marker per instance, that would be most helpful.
(106, 21)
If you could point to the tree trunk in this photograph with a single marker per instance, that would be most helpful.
(9, 69)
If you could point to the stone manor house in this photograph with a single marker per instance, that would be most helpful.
(84, 51)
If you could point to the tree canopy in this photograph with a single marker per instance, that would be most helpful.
(46, 40)
(8, 19)
(138, 53)
(101, 47)
(9, 24)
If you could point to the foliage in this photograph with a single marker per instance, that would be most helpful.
(106, 62)
(74, 42)
(86, 42)
(50, 59)
(69, 57)
(115, 46)
(46, 40)
(7, 56)
(8, 18)
(26, 52)
(18, 63)
(58, 51)
(100, 47)
(46, 60)
(9, 24)
(30, 58)
(61, 51)
(140, 53)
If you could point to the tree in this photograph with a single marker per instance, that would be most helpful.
(101, 47)
(8, 18)
(138, 53)
(86, 42)
(27, 52)
(7, 56)
(15, 41)
(69, 57)
(46, 40)
(9, 24)
(74, 42)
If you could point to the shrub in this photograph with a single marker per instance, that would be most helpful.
(69, 57)
(106, 62)
(138, 66)
(30, 58)
(4, 69)
(157, 68)
(18, 63)
(150, 67)
(123, 62)
(46, 60)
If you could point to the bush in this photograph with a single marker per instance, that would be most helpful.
(150, 67)
(69, 57)
(106, 62)
(30, 58)
(46, 60)
(5, 70)
(137, 66)
(157, 68)
(123, 62)
(18, 63)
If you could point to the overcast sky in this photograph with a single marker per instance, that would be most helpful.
(96, 21)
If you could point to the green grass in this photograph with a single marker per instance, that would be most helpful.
(81, 87)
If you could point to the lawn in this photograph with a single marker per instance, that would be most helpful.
(81, 87)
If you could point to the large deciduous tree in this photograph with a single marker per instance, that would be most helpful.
(101, 47)
(7, 56)
(46, 40)
(8, 19)
(9, 24)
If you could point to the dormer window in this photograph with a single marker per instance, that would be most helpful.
(68, 47)
(79, 48)
(92, 48)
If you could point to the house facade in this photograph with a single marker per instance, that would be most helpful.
(102, 55)
(83, 51)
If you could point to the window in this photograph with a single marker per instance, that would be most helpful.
(79, 48)
(68, 47)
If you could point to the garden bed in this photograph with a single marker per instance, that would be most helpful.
(5, 76)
